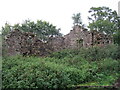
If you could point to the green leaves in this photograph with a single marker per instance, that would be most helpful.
(117, 37)
(77, 19)
(103, 19)
(103, 26)
(74, 68)
(6, 29)
(42, 29)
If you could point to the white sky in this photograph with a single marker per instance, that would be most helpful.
(57, 12)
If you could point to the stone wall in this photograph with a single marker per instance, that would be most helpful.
(26, 43)
(57, 43)
(80, 37)
(100, 39)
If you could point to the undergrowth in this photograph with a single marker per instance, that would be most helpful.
(62, 69)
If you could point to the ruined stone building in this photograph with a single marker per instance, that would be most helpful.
(80, 37)
(27, 43)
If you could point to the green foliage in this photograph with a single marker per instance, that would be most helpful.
(98, 53)
(64, 53)
(117, 37)
(106, 73)
(6, 29)
(32, 72)
(108, 64)
(76, 67)
(103, 26)
(42, 29)
(63, 69)
(91, 54)
(98, 13)
(103, 19)
(66, 68)
(77, 19)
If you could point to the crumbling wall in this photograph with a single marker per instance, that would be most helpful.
(80, 37)
(26, 43)
(77, 38)
(57, 43)
(101, 39)
(72, 39)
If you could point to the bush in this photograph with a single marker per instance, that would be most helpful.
(33, 72)
(92, 53)
(62, 69)
(98, 53)
(108, 71)
(109, 64)
(64, 53)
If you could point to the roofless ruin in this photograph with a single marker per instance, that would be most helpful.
(27, 43)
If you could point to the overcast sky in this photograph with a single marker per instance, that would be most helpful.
(57, 12)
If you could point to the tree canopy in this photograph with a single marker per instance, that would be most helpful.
(77, 19)
(42, 29)
(103, 19)
(117, 34)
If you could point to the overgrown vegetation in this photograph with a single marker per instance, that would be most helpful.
(92, 54)
(66, 68)
(63, 69)
(42, 29)
(103, 19)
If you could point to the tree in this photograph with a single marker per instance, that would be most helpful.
(77, 19)
(45, 30)
(117, 34)
(103, 19)
(6, 29)
(104, 26)
(42, 29)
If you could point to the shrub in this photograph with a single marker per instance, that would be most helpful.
(112, 51)
(33, 72)
(98, 53)
(108, 71)
(64, 53)
(107, 65)
(83, 66)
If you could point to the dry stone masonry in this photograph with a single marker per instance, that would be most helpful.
(80, 37)
(27, 43)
